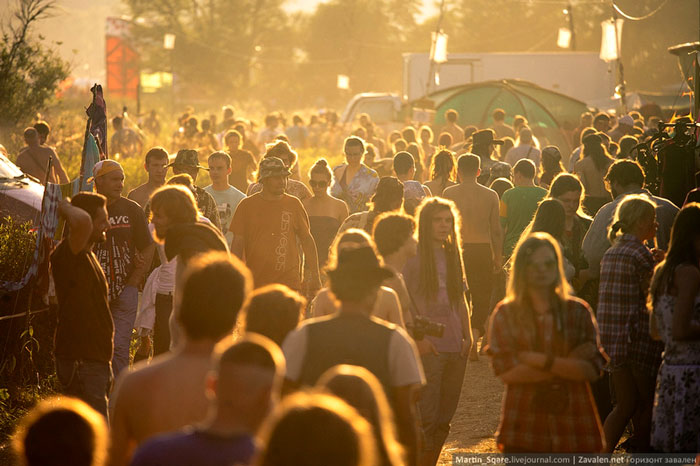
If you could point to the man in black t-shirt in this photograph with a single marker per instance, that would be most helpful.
(125, 256)
(83, 341)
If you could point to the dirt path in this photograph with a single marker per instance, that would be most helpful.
(476, 419)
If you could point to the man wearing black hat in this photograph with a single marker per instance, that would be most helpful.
(187, 161)
(352, 336)
(483, 145)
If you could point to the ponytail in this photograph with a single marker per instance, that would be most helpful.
(633, 209)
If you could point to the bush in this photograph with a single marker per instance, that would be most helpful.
(17, 243)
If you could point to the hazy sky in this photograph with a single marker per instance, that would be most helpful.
(79, 26)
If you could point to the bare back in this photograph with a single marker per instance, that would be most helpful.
(33, 160)
(165, 396)
(478, 207)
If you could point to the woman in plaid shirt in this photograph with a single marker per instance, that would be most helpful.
(625, 273)
(544, 346)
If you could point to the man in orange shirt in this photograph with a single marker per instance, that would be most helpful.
(268, 228)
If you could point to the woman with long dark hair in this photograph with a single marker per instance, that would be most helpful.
(675, 303)
(591, 170)
(550, 218)
(550, 165)
(436, 282)
(568, 190)
(387, 198)
(545, 348)
(442, 172)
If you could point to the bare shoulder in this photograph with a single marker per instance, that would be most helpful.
(687, 274)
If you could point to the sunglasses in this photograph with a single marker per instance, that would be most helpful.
(318, 184)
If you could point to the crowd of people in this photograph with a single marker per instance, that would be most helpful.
(284, 324)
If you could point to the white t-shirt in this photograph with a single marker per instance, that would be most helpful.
(405, 367)
(226, 203)
(523, 152)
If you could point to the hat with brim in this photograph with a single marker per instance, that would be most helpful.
(485, 137)
(272, 166)
(359, 263)
(187, 158)
(103, 167)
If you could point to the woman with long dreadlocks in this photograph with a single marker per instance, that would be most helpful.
(436, 282)
(545, 347)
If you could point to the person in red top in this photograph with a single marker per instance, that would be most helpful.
(545, 347)
(268, 227)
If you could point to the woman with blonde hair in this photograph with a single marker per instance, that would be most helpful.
(625, 274)
(362, 390)
(545, 348)
(387, 305)
(437, 284)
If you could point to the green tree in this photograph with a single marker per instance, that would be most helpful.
(30, 71)
(363, 39)
(218, 42)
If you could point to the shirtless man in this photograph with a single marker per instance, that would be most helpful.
(482, 238)
(169, 393)
(156, 166)
(34, 157)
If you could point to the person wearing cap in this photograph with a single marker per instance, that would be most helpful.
(352, 336)
(525, 148)
(187, 161)
(156, 165)
(483, 145)
(124, 257)
(283, 151)
(387, 198)
(268, 228)
(625, 127)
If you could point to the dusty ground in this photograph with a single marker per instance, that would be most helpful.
(476, 419)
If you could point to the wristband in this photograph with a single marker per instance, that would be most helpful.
(548, 362)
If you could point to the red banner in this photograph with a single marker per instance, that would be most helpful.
(122, 60)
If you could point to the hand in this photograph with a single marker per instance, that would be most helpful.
(498, 265)
(425, 346)
(658, 254)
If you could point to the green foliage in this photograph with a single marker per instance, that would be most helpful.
(29, 70)
(17, 244)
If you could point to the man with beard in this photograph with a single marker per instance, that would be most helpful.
(84, 334)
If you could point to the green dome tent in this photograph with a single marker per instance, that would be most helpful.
(552, 116)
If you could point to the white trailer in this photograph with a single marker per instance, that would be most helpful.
(581, 75)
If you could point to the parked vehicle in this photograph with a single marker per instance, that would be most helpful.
(20, 194)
